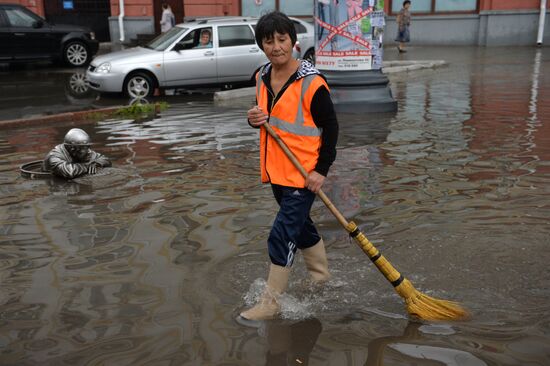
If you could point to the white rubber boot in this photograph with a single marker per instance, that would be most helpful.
(268, 307)
(316, 262)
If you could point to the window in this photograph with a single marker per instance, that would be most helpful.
(189, 40)
(436, 6)
(455, 5)
(3, 23)
(258, 8)
(235, 35)
(164, 41)
(293, 7)
(194, 39)
(419, 6)
(205, 38)
(19, 18)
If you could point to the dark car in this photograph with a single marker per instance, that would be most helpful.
(24, 36)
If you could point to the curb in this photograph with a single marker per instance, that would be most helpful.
(401, 66)
(225, 95)
(80, 116)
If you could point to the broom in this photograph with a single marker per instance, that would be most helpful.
(417, 303)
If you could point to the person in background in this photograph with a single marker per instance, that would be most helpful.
(294, 98)
(73, 157)
(403, 23)
(322, 5)
(205, 40)
(168, 20)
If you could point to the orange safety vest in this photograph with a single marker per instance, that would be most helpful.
(291, 119)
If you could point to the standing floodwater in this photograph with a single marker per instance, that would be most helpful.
(150, 262)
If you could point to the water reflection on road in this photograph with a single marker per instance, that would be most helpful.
(31, 91)
(148, 263)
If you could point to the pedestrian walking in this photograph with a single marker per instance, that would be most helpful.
(294, 98)
(403, 24)
(322, 6)
(168, 20)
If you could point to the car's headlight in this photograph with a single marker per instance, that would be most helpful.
(104, 68)
(92, 35)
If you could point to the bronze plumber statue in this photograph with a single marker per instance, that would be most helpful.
(74, 157)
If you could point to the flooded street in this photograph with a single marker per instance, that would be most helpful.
(149, 262)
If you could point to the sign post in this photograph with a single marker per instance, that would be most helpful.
(348, 49)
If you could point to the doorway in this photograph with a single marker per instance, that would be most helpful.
(177, 9)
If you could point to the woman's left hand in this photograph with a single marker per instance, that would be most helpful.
(314, 181)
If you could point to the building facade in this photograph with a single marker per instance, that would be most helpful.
(471, 22)
(435, 22)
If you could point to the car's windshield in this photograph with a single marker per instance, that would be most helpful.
(163, 41)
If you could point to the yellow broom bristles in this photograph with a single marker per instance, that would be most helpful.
(427, 307)
(417, 303)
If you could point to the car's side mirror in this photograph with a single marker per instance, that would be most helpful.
(37, 24)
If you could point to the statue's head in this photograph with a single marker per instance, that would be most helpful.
(77, 142)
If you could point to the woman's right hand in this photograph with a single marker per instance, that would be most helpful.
(256, 117)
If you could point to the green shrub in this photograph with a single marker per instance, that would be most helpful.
(139, 109)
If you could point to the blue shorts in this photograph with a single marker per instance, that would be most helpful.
(293, 228)
(403, 35)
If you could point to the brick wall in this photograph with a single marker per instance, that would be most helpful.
(211, 7)
(509, 4)
(133, 8)
(36, 6)
(192, 7)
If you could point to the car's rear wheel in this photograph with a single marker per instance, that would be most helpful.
(310, 56)
(76, 54)
(139, 85)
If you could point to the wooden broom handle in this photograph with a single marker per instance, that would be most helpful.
(299, 166)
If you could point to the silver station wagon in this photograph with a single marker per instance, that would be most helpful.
(202, 52)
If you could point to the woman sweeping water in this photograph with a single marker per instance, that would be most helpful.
(293, 97)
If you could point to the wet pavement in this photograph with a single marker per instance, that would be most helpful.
(32, 90)
(148, 263)
(41, 89)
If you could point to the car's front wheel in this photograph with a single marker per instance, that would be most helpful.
(76, 54)
(139, 85)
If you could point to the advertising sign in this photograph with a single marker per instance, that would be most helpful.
(68, 5)
(348, 34)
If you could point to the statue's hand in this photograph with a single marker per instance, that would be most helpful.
(93, 168)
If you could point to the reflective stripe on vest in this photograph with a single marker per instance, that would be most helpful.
(296, 128)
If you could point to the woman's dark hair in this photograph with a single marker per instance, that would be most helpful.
(406, 2)
(272, 22)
